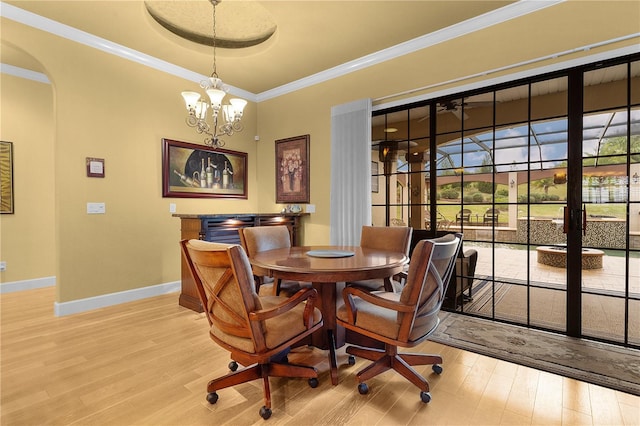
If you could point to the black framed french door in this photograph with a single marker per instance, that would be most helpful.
(542, 176)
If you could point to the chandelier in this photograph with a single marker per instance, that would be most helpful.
(225, 118)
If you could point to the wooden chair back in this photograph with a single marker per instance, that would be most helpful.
(262, 238)
(392, 238)
(224, 280)
(432, 263)
(257, 331)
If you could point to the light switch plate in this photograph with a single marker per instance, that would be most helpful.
(96, 208)
(172, 207)
(310, 208)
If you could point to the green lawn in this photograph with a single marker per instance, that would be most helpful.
(551, 209)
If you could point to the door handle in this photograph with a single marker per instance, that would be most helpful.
(572, 216)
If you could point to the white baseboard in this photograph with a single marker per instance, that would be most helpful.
(90, 303)
(27, 284)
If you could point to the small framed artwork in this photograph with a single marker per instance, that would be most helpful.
(198, 171)
(292, 170)
(374, 176)
(6, 177)
(95, 167)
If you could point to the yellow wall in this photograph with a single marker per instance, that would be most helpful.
(103, 106)
(27, 236)
(110, 108)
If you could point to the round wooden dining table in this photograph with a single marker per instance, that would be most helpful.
(328, 268)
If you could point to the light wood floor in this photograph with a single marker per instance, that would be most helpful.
(148, 363)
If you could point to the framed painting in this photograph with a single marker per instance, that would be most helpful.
(292, 170)
(6, 177)
(198, 171)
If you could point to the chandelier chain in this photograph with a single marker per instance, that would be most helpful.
(214, 73)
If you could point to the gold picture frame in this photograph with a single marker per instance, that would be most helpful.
(6, 178)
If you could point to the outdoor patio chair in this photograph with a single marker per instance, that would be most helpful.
(463, 216)
(491, 215)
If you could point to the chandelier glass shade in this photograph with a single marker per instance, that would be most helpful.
(225, 119)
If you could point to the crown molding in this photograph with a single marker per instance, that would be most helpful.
(56, 28)
(24, 73)
(514, 10)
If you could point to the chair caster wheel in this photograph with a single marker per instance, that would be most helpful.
(313, 382)
(437, 368)
(425, 397)
(352, 360)
(233, 366)
(363, 388)
(265, 412)
(212, 397)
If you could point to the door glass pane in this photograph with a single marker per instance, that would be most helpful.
(478, 151)
(378, 215)
(419, 208)
(548, 140)
(448, 152)
(511, 147)
(512, 105)
(419, 123)
(634, 321)
(605, 88)
(603, 316)
(635, 83)
(549, 307)
(480, 300)
(449, 116)
(549, 99)
(477, 111)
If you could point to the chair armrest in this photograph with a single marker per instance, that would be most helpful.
(349, 292)
(308, 295)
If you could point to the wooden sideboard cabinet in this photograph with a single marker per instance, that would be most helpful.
(223, 228)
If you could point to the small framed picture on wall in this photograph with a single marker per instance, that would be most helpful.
(292, 170)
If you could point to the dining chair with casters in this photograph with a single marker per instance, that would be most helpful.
(402, 319)
(262, 238)
(257, 330)
(389, 238)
